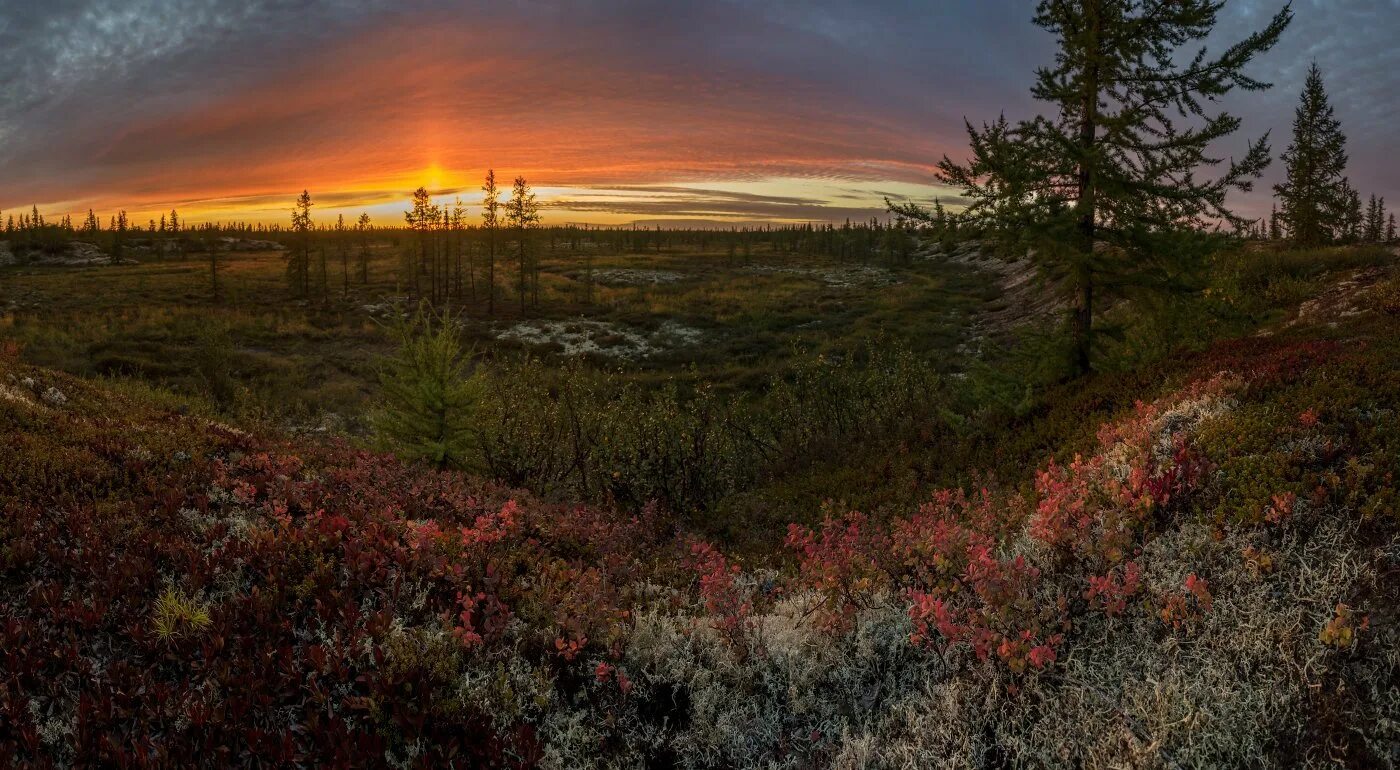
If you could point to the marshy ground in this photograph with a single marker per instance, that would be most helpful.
(686, 313)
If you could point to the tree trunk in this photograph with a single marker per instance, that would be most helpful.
(1087, 205)
(1083, 324)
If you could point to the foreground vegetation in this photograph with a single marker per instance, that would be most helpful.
(1199, 580)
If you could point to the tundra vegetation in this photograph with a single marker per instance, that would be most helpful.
(1092, 472)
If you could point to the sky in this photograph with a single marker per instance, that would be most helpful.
(616, 111)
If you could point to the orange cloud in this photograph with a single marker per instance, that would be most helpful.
(369, 113)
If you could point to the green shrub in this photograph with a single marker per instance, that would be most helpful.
(430, 396)
(213, 363)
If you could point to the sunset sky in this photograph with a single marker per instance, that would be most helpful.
(730, 110)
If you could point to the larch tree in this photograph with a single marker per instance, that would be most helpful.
(119, 236)
(417, 220)
(299, 258)
(363, 229)
(458, 220)
(174, 226)
(1352, 220)
(490, 223)
(431, 396)
(1314, 195)
(342, 248)
(1096, 188)
(522, 214)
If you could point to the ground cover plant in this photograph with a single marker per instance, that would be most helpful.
(174, 585)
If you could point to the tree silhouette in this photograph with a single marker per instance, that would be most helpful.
(1375, 220)
(363, 228)
(1313, 195)
(119, 236)
(522, 214)
(299, 258)
(490, 222)
(342, 248)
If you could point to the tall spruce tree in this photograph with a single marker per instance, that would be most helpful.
(1375, 220)
(1096, 188)
(1314, 199)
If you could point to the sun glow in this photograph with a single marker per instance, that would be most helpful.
(434, 178)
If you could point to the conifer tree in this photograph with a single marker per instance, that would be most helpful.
(421, 219)
(1097, 186)
(430, 395)
(490, 222)
(1314, 198)
(174, 226)
(363, 228)
(299, 258)
(1375, 220)
(1390, 229)
(458, 218)
(1275, 225)
(119, 236)
(343, 249)
(522, 214)
(1353, 219)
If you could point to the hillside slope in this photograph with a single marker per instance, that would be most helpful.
(1215, 583)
